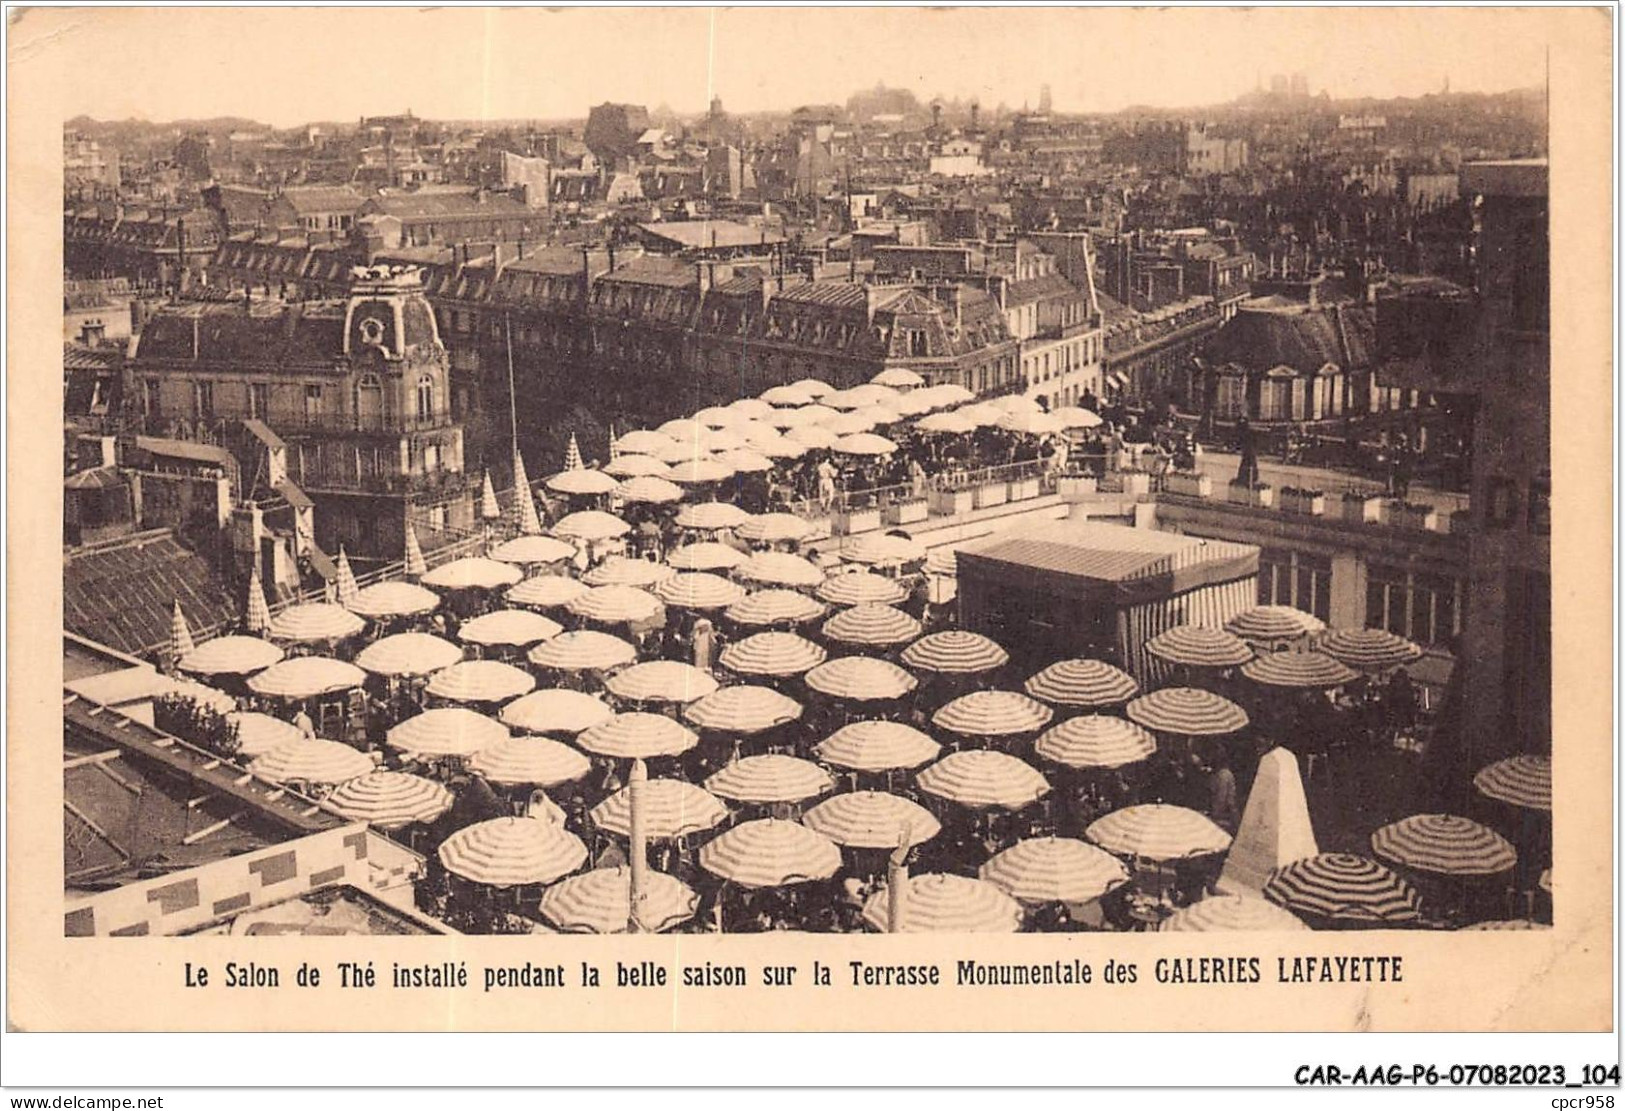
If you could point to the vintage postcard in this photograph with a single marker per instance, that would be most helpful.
(810, 519)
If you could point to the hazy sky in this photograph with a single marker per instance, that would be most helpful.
(287, 66)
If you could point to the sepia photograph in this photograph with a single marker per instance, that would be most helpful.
(816, 472)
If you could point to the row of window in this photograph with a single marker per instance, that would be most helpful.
(368, 399)
(1424, 607)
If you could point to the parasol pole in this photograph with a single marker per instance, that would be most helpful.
(639, 849)
(896, 881)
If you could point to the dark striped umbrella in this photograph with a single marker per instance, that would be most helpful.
(1445, 844)
(1524, 781)
(1344, 887)
(875, 626)
(1096, 741)
(1188, 712)
(1196, 646)
(955, 652)
(1304, 670)
(860, 679)
(1088, 684)
(993, 714)
(1369, 649)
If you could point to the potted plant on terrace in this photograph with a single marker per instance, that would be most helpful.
(1190, 484)
(1299, 499)
(1360, 507)
(1259, 495)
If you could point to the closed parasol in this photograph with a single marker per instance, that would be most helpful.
(874, 626)
(511, 852)
(772, 528)
(637, 736)
(546, 592)
(1444, 844)
(770, 778)
(393, 599)
(780, 569)
(993, 714)
(775, 607)
(591, 524)
(1343, 887)
(406, 654)
(230, 655)
(877, 746)
(770, 852)
(1300, 670)
(258, 733)
(882, 548)
(447, 731)
(706, 555)
(743, 709)
(1085, 684)
(1370, 649)
(583, 650)
(530, 762)
(306, 677)
(624, 571)
(937, 902)
(600, 902)
(311, 761)
(1096, 741)
(772, 653)
(1524, 781)
(982, 778)
(1231, 913)
(1158, 831)
(672, 808)
(699, 590)
(862, 588)
(555, 711)
(614, 605)
(314, 621)
(390, 800)
(480, 681)
(508, 629)
(473, 573)
(1054, 869)
(1196, 646)
(861, 679)
(651, 489)
(661, 681)
(872, 820)
(955, 652)
(1268, 626)
(1187, 712)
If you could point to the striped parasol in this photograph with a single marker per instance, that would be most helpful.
(546, 591)
(1096, 741)
(813, 435)
(684, 452)
(770, 778)
(951, 393)
(406, 654)
(864, 443)
(489, 509)
(699, 590)
(480, 681)
(256, 613)
(524, 505)
(681, 430)
(937, 902)
(1228, 913)
(613, 605)
(473, 573)
(707, 555)
(600, 902)
(390, 800)
(591, 524)
(508, 629)
(180, 634)
(951, 424)
(1444, 844)
(581, 482)
(1029, 424)
(447, 731)
(746, 461)
(530, 762)
(1509, 924)
(306, 677)
(1016, 403)
(638, 736)
(775, 607)
(636, 466)
(804, 416)
(313, 621)
(1524, 781)
(861, 679)
(412, 560)
(698, 472)
(533, 549)
(751, 408)
(583, 650)
(650, 489)
(1301, 670)
(672, 808)
(772, 653)
(624, 571)
(993, 714)
(955, 652)
(1158, 831)
(642, 442)
(661, 681)
(758, 432)
(773, 528)
(393, 599)
(850, 424)
(770, 852)
(743, 709)
(815, 387)
(981, 414)
(1196, 646)
(259, 733)
(882, 548)
(347, 588)
(1369, 649)
(897, 378)
(1267, 626)
(572, 455)
(715, 416)
(786, 395)
(862, 588)
(230, 655)
(1343, 887)
(982, 778)
(942, 560)
(1188, 712)
(510, 852)
(1073, 416)
(1087, 684)
(555, 711)
(877, 746)
(311, 761)
(875, 626)
(780, 569)
(872, 820)
(1054, 870)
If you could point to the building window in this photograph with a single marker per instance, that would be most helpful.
(203, 399)
(259, 400)
(425, 397)
(313, 401)
(1423, 607)
(150, 390)
(1503, 503)
(916, 345)
(1299, 579)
